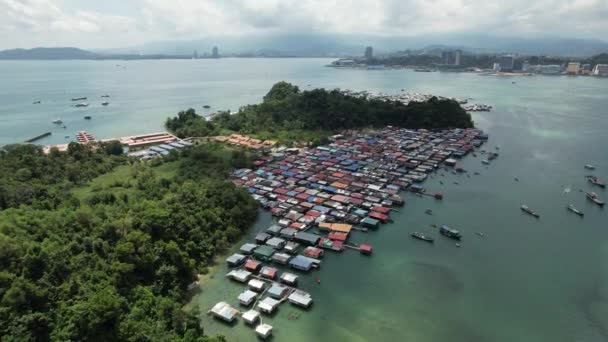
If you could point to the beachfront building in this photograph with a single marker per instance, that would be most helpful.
(600, 70)
(506, 62)
(573, 68)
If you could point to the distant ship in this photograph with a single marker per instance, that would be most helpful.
(593, 197)
(527, 210)
(421, 236)
(57, 121)
(450, 232)
(88, 117)
(105, 103)
(79, 99)
(80, 105)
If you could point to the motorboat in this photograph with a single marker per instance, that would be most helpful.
(592, 196)
(423, 237)
(589, 167)
(527, 210)
(57, 121)
(450, 232)
(80, 105)
(571, 208)
(105, 103)
(596, 181)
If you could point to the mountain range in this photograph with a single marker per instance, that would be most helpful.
(323, 45)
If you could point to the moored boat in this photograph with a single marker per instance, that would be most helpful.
(450, 232)
(527, 210)
(573, 209)
(593, 197)
(589, 167)
(596, 181)
(485, 162)
(84, 104)
(421, 236)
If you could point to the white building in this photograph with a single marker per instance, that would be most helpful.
(600, 70)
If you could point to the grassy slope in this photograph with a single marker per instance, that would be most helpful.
(117, 177)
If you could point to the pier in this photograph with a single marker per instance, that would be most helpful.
(38, 137)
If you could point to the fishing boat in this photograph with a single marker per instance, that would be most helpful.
(79, 99)
(105, 103)
(88, 117)
(80, 105)
(596, 181)
(593, 197)
(421, 236)
(450, 232)
(57, 121)
(527, 210)
(589, 167)
(571, 208)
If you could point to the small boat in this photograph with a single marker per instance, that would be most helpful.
(589, 167)
(593, 197)
(79, 99)
(485, 161)
(450, 232)
(105, 95)
(421, 236)
(571, 208)
(80, 105)
(88, 117)
(480, 234)
(67, 137)
(516, 179)
(527, 210)
(64, 126)
(57, 121)
(36, 102)
(428, 212)
(207, 106)
(596, 181)
(105, 103)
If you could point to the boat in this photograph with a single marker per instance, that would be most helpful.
(88, 117)
(571, 208)
(105, 95)
(450, 232)
(57, 121)
(105, 103)
(79, 99)
(589, 167)
(84, 104)
(36, 102)
(527, 210)
(593, 197)
(428, 212)
(485, 161)
(596, 181)
(421, 236)
(64, 126)
(207, 106)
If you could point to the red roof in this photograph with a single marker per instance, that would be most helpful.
(313, 213)
(335, 236)
(379, 216)
(365, 248)
(252, 265)
(383, 210)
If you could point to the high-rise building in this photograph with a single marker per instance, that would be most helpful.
(195, 54)
(496, 67)
(369, 52)
(573, 68)
(215, 52)
(600, 70)
(506, 63)
(525, 66)
(451, 57)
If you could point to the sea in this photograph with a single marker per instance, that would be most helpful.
(525, 279)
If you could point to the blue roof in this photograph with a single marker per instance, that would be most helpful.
(321, 209)
(353, 167)
(157, 149)
(311, 199)
(292, 193)
(301, 262)
(330, 189)
(416, 186)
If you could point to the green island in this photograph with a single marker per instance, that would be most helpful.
(96, 246)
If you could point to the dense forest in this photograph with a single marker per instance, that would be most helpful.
(112, 261)
(287, 109)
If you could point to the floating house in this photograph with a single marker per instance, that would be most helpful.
(251, 317)
(303, 263)
(268, 305)
(256, 285)
(263, 253)
(269, 272)
(225, 312)
(313, 252)
(288, 233)
(276, 243)
(261, 238)
(307, 238)
(275, 229)
(263, 330)
(248, 248)
(369, 222)
(235, 260)
(277, 291)
(365, 249)
(247, 297)
(300, 298)
(241, 276)
(291, 247)
(289, 278)
(253, 266)
(281, 258)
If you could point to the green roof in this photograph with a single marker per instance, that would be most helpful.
(264, 251)
(368, 221)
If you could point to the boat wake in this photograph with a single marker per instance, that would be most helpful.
(567, 190)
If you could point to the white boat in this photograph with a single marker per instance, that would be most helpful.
(84, 104)
(589, 167)
(57, 121)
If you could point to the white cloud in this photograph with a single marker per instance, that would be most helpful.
(168, 19)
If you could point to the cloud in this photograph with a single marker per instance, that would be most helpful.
(191, 19)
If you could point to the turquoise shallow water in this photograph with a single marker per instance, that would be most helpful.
(528, 280)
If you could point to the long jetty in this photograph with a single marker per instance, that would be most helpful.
(38, 137)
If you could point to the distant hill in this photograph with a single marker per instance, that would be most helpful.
(48, 53)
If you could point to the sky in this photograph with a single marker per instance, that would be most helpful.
(123, 23)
